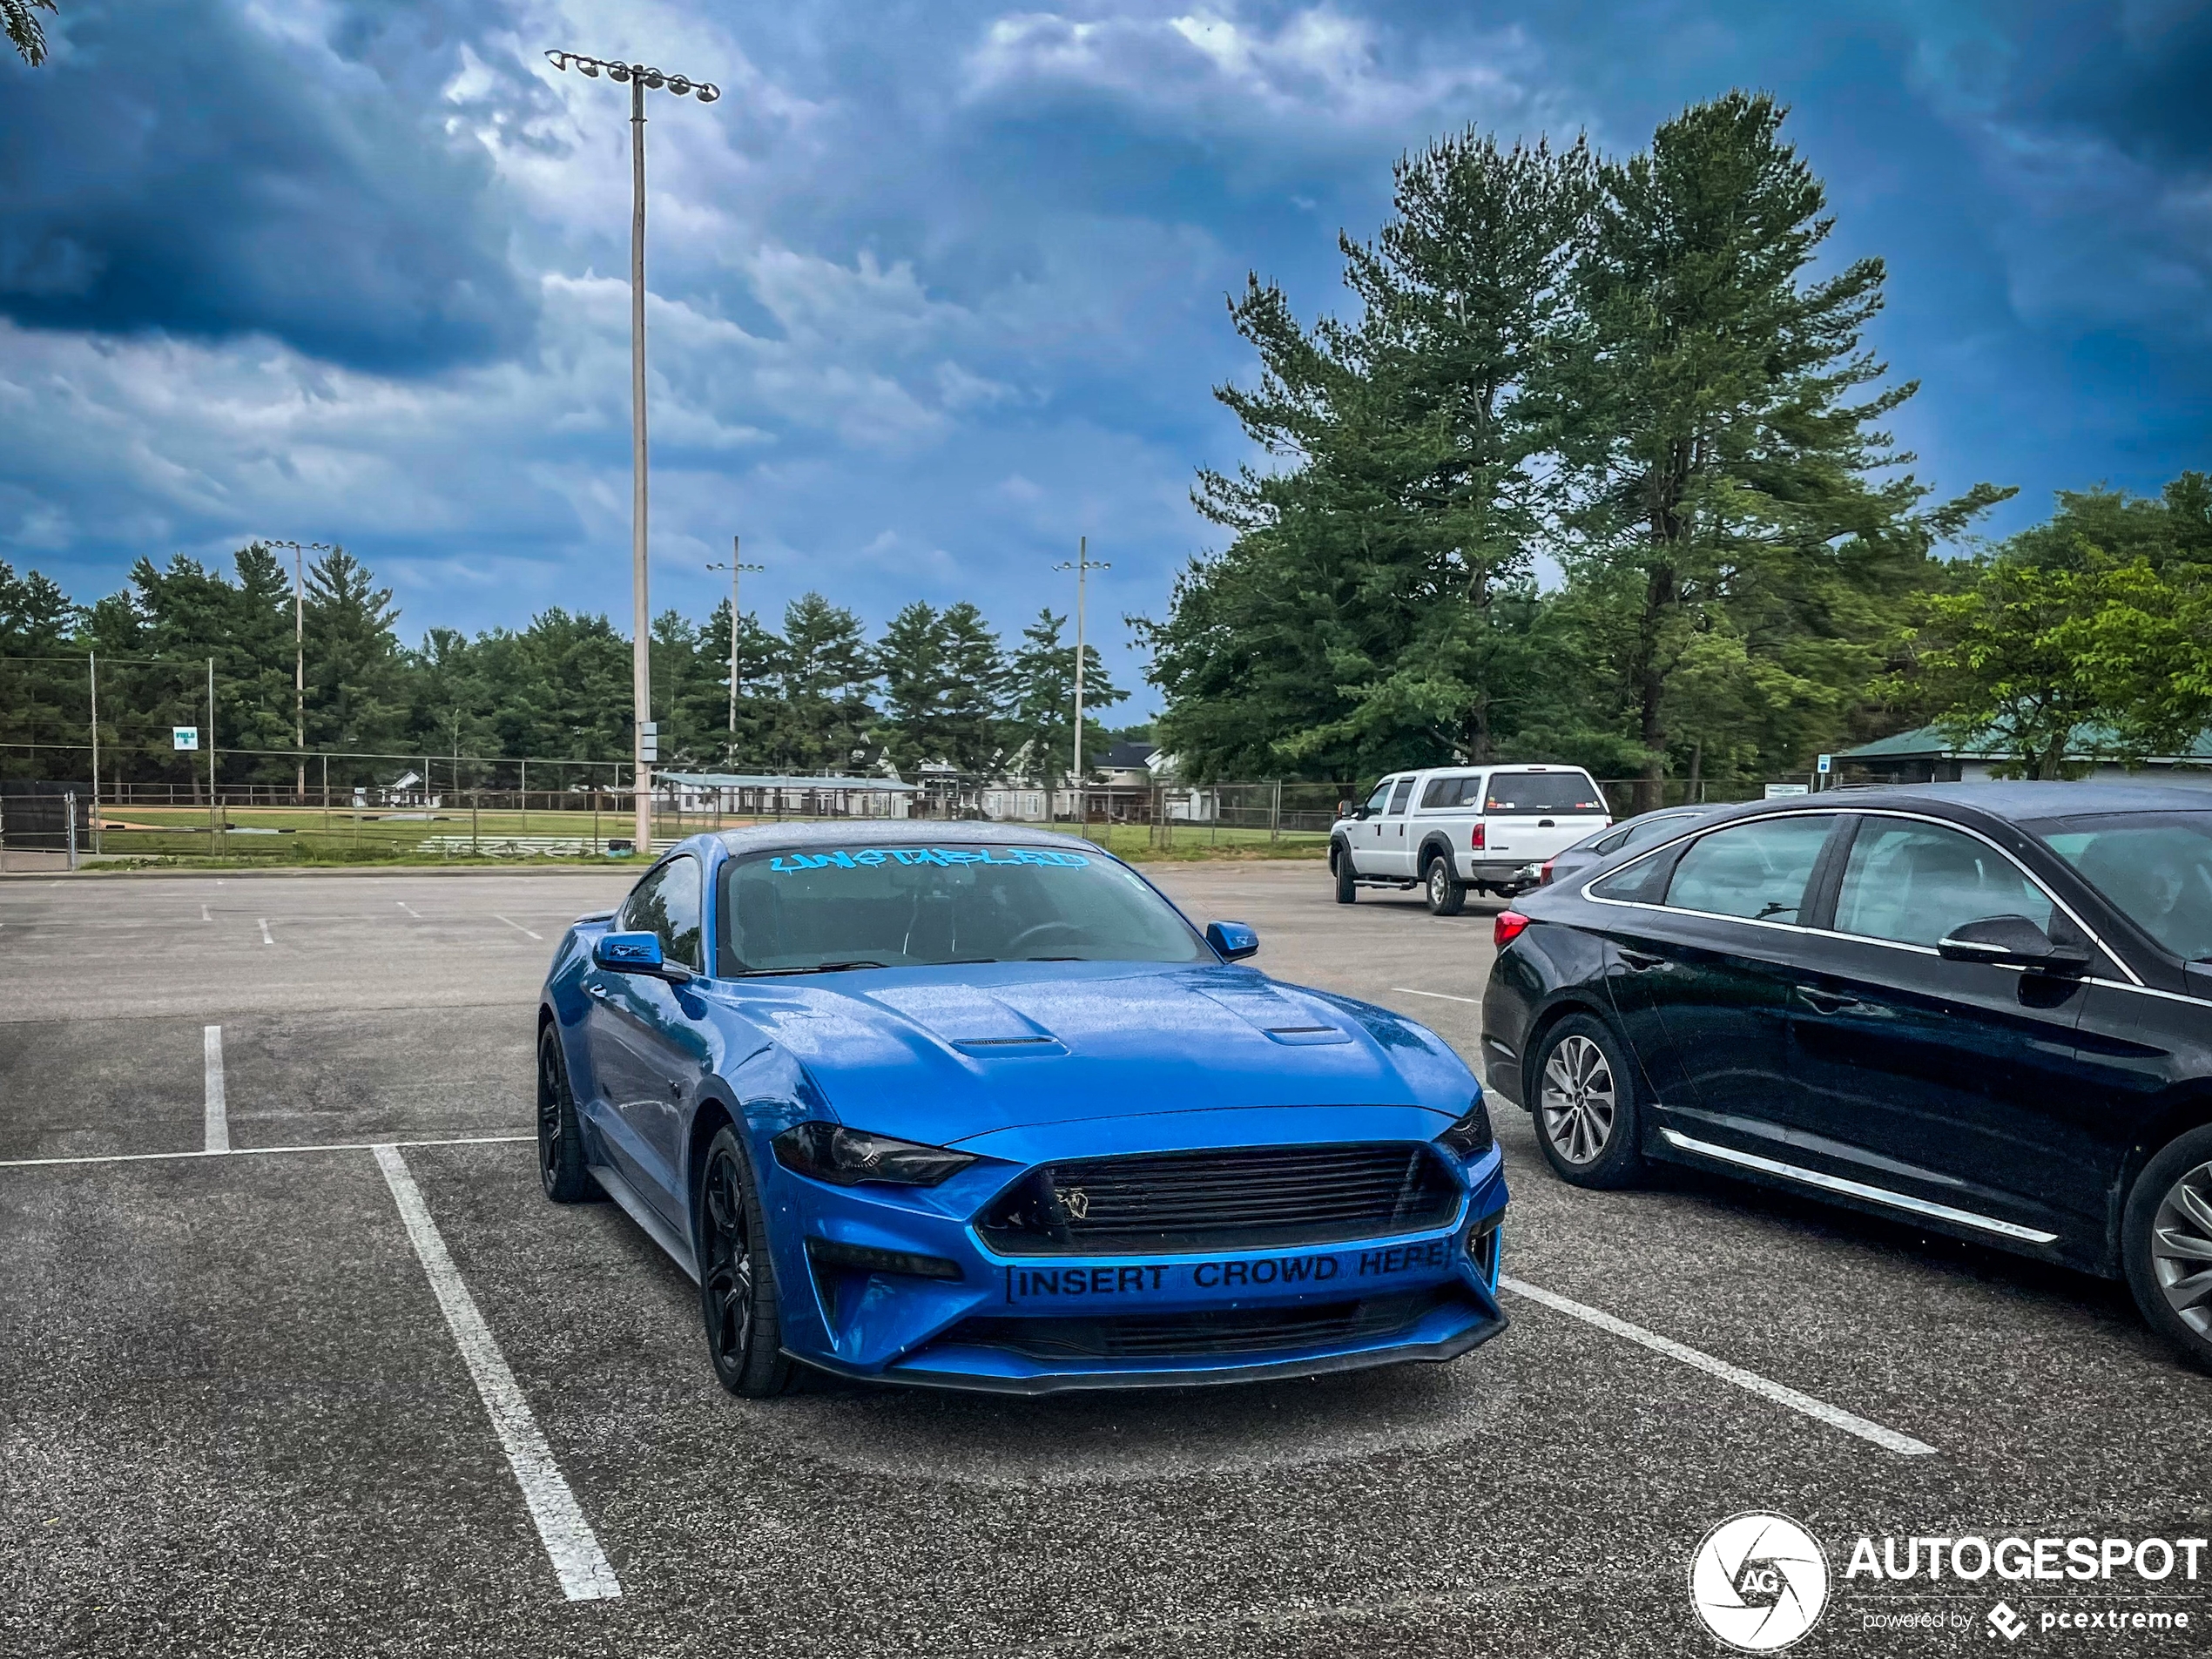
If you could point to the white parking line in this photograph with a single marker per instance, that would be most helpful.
(1766, 1388)
(204, 916)
(260, 1151)
(265, 932)
(218, 1110)
(409, 908)
(585, 1573)
(517, 926)
(1408, 990)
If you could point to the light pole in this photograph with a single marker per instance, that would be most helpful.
(300, 658)
(638, 76)
(734, 567)
(1083, 565)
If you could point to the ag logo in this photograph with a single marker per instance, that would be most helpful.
(1759, 1581)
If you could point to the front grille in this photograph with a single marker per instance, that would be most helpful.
(1242, 1198)
(1236, 1330)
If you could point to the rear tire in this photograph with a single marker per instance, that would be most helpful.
(738, 1299)
(2166, 1244)
(1581, 1088)
(560, 1142)
(1347, 879)
(1448, 894)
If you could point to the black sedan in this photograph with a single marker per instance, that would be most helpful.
(1985, 1008)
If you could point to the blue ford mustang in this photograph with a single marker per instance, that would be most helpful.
(976, 1107)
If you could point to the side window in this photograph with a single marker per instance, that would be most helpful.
(1376, 802)
(1914, 883)
(1757, 870)
(1400, 795)
(1652, 829)
(1444, 792)
(667, 903)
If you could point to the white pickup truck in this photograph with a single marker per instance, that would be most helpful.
(1456, 827)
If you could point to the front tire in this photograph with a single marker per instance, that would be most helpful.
(1582, 1089)
(2166, 1243)
(1347, 879)
(560, 1142)
(1448, 894)
(736, 1280)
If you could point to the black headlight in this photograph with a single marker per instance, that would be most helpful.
(845, 1157)
(1470, 1137)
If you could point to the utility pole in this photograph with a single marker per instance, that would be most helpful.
(92, 669)
(1082, 565)
(645, 739)
(299, 660)
(734, 567)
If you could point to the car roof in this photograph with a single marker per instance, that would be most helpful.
(893, 832)
(2019, 802)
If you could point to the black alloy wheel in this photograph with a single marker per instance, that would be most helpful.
(1448, 894)
(1340, 867)
(736, 1281)
(1584, 1101)
(560, 1142)
(2166, 1244)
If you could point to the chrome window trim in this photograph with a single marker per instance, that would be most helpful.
(2150, 990)
(2057, 903)
(1857, 1189)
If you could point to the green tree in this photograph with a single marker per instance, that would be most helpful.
(357, 697)
(751, 745)
(1372, 608)
(913, 658)
(1040, 715)
(977, 674)
(25, 34)
(1717, 416)
(825, 675)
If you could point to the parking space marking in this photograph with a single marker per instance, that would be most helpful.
(265, 932)
(1408, 990)
(585, 1573)
(219, 1109)
(204, 916)
(1766, 1387)
(518, 927)
(409, 908)
(262, 1151)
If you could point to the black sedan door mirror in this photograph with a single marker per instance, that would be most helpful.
(2013, 942)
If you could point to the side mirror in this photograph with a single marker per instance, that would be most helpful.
(636, 954)
(1233, 939)
(2011, 941)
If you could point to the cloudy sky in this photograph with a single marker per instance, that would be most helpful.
(937, 287)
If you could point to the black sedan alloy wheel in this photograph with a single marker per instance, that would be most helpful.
(2167, 1244)
(1585, 1104)
(737, 1283)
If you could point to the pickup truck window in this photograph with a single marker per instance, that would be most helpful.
(1375, 801)
(1529, 793)
(1400, 796)
(1448, 792)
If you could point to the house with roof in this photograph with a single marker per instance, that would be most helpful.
(1927, 756)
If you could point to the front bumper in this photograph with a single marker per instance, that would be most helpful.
(1049, 1324)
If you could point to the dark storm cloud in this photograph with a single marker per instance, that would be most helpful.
(2136, 77)
(175, 168)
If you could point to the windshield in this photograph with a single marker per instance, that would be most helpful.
(2156, 867)
(913, 905)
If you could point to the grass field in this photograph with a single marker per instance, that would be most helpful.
(309, 836)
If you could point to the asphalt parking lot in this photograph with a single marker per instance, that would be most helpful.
(236, 1416)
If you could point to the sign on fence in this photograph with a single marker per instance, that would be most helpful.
(184, 736)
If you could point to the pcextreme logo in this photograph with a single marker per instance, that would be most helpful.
(1758, 1581)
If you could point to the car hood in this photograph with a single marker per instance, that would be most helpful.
(941, 1055)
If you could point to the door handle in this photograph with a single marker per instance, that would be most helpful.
(1826, 1002)
(1639, 959)
(590, 990)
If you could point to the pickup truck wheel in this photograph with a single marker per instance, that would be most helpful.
(1340, 867)
(1448, 894)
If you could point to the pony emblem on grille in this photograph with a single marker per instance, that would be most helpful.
(1075, 1200)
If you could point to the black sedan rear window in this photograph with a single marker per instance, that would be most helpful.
(909, 906)
(2155, 868)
